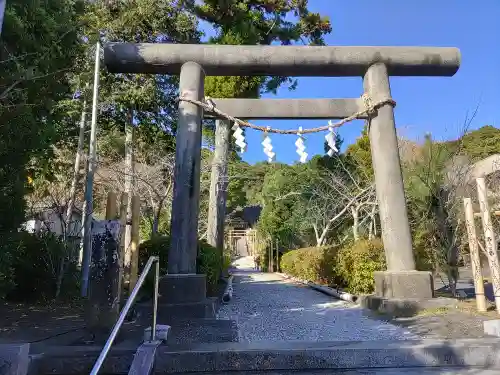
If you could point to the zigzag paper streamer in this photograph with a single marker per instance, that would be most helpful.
(330, 140)
(240, 137)
(268, 149)
(301, 146)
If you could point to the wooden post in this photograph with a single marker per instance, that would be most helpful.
(111, 208)
(489, 239)
(277, 255)
(134, 244)
(123, 224)
(474, 255)
(270, 255)
(129, 181)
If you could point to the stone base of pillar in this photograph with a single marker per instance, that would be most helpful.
(404, 294)
(183, 305)
(184, 296)
(182, 288)
(404, 284)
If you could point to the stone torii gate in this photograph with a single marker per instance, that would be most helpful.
(373, 64)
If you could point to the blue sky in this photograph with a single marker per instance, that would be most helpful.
(439, 105)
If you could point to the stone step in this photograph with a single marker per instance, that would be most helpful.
(290, 356)
(195, 331)
(375, 357)
(405, 371)
(170, 312)
(185, 332)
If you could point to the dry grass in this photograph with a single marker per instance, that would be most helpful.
(467, 306)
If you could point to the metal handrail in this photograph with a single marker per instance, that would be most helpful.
(126, 308)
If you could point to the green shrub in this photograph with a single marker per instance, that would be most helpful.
(30, 267)
(156, 246)
(357, 262)
(6, 271)
(315, 264)
(226, 263)
(209, 261)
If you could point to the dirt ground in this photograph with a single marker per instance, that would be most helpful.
(445, 323)
(54, 323)
(36, 323)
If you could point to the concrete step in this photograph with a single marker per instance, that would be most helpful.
(295, 356)
(473, 356)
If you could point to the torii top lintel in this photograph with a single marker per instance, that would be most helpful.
(298, 61)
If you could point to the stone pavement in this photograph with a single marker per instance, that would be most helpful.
(268, 308)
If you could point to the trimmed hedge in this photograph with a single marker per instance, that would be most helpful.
(357, 263)
(351, 267)
(209, 261)
(312, 264)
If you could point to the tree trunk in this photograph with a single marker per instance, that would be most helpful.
(322, 238)
(316, 233)
(156, 221)
(355, 225)
(154, 229)
(129, 181)
(373, 224)
(447, 240)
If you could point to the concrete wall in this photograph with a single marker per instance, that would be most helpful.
(50, 220)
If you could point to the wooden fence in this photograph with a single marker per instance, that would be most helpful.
(489, 246)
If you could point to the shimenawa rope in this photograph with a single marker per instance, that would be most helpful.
(371, 108)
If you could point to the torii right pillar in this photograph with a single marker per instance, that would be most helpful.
(401, 280)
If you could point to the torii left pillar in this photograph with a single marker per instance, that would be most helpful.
(182, 291)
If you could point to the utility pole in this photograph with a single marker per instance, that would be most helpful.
(89, 185)
(2, 12)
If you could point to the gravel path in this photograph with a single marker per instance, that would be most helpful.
(268, 308)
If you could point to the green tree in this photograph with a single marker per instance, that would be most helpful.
(478, 144)
(434, 209)
(39, 48)
(145, 101)
(360, 153)
(257, 22)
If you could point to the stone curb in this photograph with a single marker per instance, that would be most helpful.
(393, 307)
(344, 296)
(228, 292)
